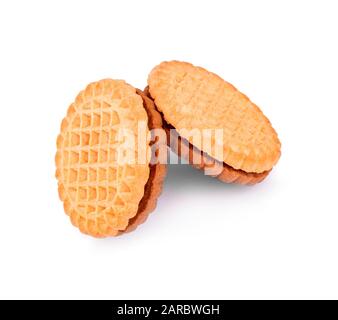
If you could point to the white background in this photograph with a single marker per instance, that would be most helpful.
(205, 239)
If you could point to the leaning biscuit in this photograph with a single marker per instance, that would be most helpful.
(191, 98)
(102, 195)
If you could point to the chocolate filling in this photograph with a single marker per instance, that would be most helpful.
(153, 187)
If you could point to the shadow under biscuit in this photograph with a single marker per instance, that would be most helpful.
(184, 177)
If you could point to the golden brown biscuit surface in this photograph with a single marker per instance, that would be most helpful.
(101, 195)
(191, 97)
(200, 160)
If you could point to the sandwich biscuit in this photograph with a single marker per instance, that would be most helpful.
(102, 195)
(192, 98)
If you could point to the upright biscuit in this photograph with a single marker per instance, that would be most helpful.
(102, 195)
